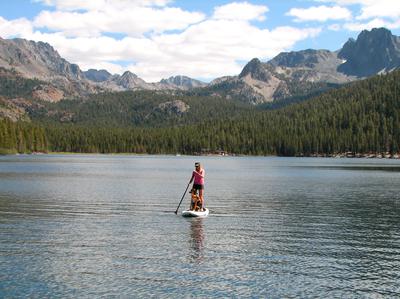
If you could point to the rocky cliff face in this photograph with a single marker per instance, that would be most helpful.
(182, 82)
(130, 81)
(373, 52)
(307, 58)
(256, 70)
(289, 74)
(39, 60)
(298, 73)
(36, 60)
(97, 75)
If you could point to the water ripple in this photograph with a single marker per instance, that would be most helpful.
(104, 226)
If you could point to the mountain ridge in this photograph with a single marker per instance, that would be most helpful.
(352, 121)
(373, 52)
(287, 75)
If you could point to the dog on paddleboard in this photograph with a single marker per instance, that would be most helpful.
(195, 203)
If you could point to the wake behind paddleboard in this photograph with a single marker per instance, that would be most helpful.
(189, 213)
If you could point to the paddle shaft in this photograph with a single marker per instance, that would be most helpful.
(176, 212)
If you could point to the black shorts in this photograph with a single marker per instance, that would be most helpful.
(198, 187)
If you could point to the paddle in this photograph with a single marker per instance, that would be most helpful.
(176, 212)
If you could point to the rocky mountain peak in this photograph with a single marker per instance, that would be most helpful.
(129, 80)
(290, 74)
(373, 52)
(256, 69)
(382, 34)
(183, 82)
(36, 60)
(97, 75)
(305, 58)
(129, 75)
(252, 66)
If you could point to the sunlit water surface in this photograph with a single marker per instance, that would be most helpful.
(94, 225)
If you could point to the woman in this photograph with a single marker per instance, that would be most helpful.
(198, 177)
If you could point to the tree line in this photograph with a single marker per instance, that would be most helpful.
(22, 137)
(363, 117)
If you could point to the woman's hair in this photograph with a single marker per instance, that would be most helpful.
(197, 164)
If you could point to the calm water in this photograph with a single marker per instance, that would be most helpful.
(93, 226)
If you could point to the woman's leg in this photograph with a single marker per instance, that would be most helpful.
(201, 198)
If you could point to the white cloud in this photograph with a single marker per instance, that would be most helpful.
(212, 48)
(197, 46)
(381, 9)
(346, 2)
(371, 13)
(72, 5)
(319, 13)
(372, 8)
(375, 23)
(240, 11)
(206, 50)
(15, 28)
(131, 20)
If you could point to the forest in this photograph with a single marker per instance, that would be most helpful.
(362, 117)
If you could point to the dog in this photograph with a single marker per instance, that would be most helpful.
(195, 204)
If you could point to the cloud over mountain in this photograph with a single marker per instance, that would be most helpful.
(320, 13)
(149, 37)
(159, 38)
(370, 13)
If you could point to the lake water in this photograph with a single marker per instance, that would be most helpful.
(94, 226)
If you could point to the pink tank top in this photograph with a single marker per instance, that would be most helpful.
(199, 177)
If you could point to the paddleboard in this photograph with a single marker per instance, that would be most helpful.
(189, 213)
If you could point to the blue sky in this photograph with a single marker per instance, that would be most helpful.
(202, 39)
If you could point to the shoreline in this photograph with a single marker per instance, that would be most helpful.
(336, 156)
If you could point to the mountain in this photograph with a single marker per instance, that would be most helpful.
(182, 82)
(310, 65)
(359, 119)
(373, 52)
(97, 75)
(288, 77)
(36, 60)
(130, 81)
(294, 74)
(108, 82)
(289, 74)
(39, 60)
(299, 73)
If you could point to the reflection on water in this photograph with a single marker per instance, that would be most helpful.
(104, 226)
(196, 240)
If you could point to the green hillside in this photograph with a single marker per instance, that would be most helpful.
(12, 85)
(139, 108)
(363, 117)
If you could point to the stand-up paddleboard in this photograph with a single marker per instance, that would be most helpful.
(189, 213)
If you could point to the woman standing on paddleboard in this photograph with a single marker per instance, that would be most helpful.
(198, 177)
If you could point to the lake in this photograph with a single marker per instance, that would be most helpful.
(80, 226)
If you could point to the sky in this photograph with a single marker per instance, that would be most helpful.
(156, 39)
